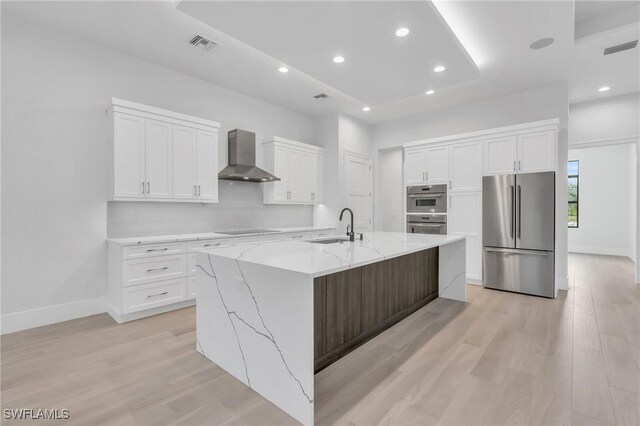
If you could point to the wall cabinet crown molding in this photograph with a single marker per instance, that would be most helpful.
(160, 155)
(299, 166)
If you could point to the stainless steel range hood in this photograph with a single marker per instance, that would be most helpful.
(242, 159)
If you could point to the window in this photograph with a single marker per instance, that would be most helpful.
(574, 192)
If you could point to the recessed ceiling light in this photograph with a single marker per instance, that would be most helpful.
(604, 89)
(542, 43)
(283, 69)
(365, 109)
(338, 59)
(439, 68)
(430, 92)
(401, 32)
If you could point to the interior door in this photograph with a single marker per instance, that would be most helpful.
(129, 156)
(184, 162)
(358, 187)
(158, 154)
(437, 163)
(207, 164)
(498, 213)
(535, 211)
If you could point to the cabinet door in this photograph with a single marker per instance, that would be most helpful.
(184, 162)
(158, 155)
(414, 167)
(281, 164)
(466, 167)
(207, 164)
(437, 165)
(500, 155)
(310, 176)
(464, 213)
(317, 192)
(537, 152)
(128, 173)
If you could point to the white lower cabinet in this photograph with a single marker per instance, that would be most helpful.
(465, 218)
(146, 279)
(155, 294)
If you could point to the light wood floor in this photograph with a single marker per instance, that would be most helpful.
(502, 358)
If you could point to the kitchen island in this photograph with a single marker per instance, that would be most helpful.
(274, 314)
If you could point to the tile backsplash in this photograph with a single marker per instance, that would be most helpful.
(240, 207)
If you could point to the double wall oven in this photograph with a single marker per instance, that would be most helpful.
(427, 209)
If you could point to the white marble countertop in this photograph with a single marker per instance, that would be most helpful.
(322, 259)
(206, 236)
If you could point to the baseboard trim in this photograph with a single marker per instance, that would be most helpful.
(120, 318)
(606, 251)
(473, 281)
(38, 317)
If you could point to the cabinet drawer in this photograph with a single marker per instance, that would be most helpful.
(146, 296)
(191, 287)
(151, 250)
(140, 271)
(202, 244)
(192, 256)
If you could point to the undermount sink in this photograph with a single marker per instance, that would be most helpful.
(330, 240)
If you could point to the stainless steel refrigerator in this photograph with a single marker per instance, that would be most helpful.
(518, 233)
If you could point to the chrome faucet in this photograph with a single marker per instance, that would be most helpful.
(350, 233)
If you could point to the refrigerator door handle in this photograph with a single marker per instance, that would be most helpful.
(520, 252)
(519, 197)
(513, 204)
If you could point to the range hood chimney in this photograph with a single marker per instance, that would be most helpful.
(242, 159)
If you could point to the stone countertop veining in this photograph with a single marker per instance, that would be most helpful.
(321, 259)
(151, 239)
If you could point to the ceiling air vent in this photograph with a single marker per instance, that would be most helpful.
(202, 42)
(321, 96)
(621, 47)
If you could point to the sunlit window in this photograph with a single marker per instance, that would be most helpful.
(574, 193)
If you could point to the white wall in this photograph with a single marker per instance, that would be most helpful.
(531, 105)
(607, 201)
(606, 119)
(54, 131)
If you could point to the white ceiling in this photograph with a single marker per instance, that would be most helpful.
(379, 67)
(496, 35)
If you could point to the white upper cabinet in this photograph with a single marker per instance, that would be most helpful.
(299, 167)
(426, 165)
(128, 151)
(437, 161)
(501, 155)
(537, 152)
(184, 163)
(527, 152)
(207, 165)
(466, 167)
(158, 159)
(161, 155)
(415, 166)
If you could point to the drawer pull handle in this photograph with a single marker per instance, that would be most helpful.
(159, 294)
(211, 244)
(164, 268)
(297, 236)
(162, 249)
